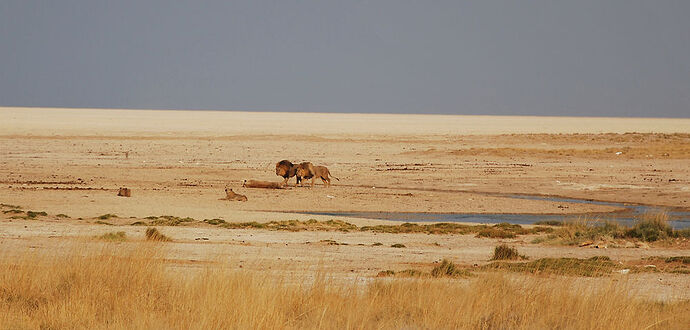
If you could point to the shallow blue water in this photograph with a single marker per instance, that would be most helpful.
(678, 219)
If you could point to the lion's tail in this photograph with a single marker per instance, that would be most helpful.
(329, 173)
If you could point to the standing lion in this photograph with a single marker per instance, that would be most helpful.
(305, 171)
(286, 169)
(324, 174)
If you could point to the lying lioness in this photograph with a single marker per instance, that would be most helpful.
(262, 184)
(233, 196)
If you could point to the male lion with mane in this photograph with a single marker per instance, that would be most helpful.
(286, 169)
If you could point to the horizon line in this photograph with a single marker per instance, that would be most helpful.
(334, 112)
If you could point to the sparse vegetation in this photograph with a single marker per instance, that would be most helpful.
(168, 220)
(595, 266)
(9, 206)
(35, 214)
(62, 215)
(101, 222)
(152, 234)
(331, 242)
(549, 223)
(681, 259)
(650, 227)
(448, 269)
(445, 268)
(119, 236)
(398, 245)
(377, 244)
(214, 222)
(495, 233)
(497, 230)
(13, 211)
(505, 252)
(107, 216)
(295, 225)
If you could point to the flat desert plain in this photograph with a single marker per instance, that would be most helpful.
(69, 163)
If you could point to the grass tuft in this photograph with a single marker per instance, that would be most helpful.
(448, 269)
(107, 216)
(505, 252)
(215, 222)
(119, 236)
(398, 245)
(152, 234)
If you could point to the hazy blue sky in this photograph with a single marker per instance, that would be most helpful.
(569, 57)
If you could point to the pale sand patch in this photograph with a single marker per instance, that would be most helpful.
(104, 122)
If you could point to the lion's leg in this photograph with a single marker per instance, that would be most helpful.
(312, 181)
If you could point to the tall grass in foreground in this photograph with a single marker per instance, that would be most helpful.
(133, 289)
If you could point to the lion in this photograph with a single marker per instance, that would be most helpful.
(124, 192)
(233, 196)
(304, 171)
(285, 169)
(323, 173)
(262, 184)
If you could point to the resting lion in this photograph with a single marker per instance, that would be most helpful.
(233, 196)
(285, 169)
(323, 173)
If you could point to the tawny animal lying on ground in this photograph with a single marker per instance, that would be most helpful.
(262, 184)
(285, 169)
(305, 171)
(323, 173)
(233, 196)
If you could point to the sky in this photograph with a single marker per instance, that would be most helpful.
(621, 58)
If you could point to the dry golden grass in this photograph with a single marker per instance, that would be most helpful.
(132, 288)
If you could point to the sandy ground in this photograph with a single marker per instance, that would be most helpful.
(178, 163)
